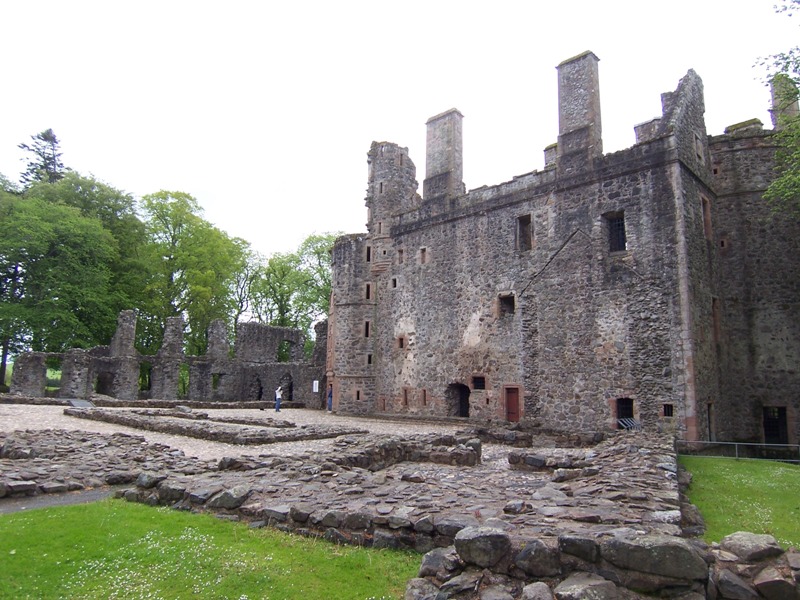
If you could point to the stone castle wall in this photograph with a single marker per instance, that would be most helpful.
(512, 302)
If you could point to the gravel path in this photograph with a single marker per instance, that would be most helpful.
(24, 416)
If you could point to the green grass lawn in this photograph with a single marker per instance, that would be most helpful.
(759, 496)
(113, 549)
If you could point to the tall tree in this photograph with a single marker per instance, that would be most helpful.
(116, 211)
(784, 73)
(54, 278)
(45, 164)
(293, 289)
(193, 264)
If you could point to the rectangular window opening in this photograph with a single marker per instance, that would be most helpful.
(669, 410)
(369, 253)
(478, 382)
(617, 240)
(394, 282)
(424, 397)
(399, 257)
(367, 291)
(698, 149)
(423, 256)
(358, 394)
(507, 304)
(369, 359)
(706, 205)
(366, 329)
(524, 233)
(401, 342)
(405, 396)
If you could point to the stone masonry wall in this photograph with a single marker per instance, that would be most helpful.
(760, 299)
(512, 302)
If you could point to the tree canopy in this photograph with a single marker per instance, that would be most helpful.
(784, 74)
(76, 251)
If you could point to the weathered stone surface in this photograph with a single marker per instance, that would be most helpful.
(537, 591)
(734, 587)
(149, 480)
(515, 507)
(357, 521)
(771, 584)
(583, 547)
(538, 559)
(300, 512)
(468, 580)
(659, 555)
(450, 525)
(482, 546)
(751, 546)
(21, 487)
(120, 477)
(496, 592)
(581, 586)
(440, 563)
(230, 498)
(169, 492)
(278, 513)
(420, 589)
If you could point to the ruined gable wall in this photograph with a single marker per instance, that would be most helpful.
(696, 355)
(760, 292)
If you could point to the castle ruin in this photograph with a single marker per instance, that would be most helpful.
(648, 287)
(262, 359)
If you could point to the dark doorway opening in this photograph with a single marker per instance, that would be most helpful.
(287, 387)
(457, 396)
(625, 418)
(104, 383)
(776, 430)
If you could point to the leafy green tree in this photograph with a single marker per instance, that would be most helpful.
(45, 164)
(6, 185)
(315, 260)
(293, 289)
(116, 211)
(276, 289)
(192, 266)
(54, 278)
(784, 73)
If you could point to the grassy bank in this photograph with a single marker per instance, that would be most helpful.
(746, 495)
(113, 549)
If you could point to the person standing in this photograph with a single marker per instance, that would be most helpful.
(278, 395)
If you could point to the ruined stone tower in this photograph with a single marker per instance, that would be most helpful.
(604, 291)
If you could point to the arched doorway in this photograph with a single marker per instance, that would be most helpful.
(457, 396)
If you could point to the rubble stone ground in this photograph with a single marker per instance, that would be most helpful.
(627, 482)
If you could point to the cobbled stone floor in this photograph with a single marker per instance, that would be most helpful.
(631, 482)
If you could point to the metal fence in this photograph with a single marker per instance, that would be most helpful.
(782, 452)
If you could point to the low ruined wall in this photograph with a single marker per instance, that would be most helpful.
(488, 563)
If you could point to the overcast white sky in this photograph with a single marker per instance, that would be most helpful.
(264, 111)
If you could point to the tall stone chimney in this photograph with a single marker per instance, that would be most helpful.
(579, 130)
(444, 167)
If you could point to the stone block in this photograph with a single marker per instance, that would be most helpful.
(482, 546)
